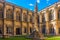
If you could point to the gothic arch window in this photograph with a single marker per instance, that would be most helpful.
(0, 29)
(1, 8)
(59, 14)
(43, 28)
(25, 30)
(18, 16)
(8, 29)
(25, 17)
(43, 18)
(30, 30)
(59, 30)
(30, 18)
(37, 19)
(1, 11)
(9, 13)
(51, 29)
(51, 15)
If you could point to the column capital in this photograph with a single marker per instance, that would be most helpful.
(47, 10)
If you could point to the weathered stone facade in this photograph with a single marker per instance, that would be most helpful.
(15, 20)
(49, 20)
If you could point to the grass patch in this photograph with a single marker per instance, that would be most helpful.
(24, 38)
(53, 38)
(16, 38)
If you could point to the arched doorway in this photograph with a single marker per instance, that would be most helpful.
(43, 29)
(18, 32)
(51, 30)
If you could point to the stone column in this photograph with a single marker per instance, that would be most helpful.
(33, 22)
(40, 23)
(28, 29)
(56, 19)
(14, 31)
(22, 29)
(13, 21)
(55, 13)
(4, 20)
(47, 21)
(4, 31)
(40, 28)
(47, 28)
(56, 29)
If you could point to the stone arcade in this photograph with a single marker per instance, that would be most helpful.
(15, 20)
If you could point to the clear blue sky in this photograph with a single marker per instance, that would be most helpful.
(29, 4)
